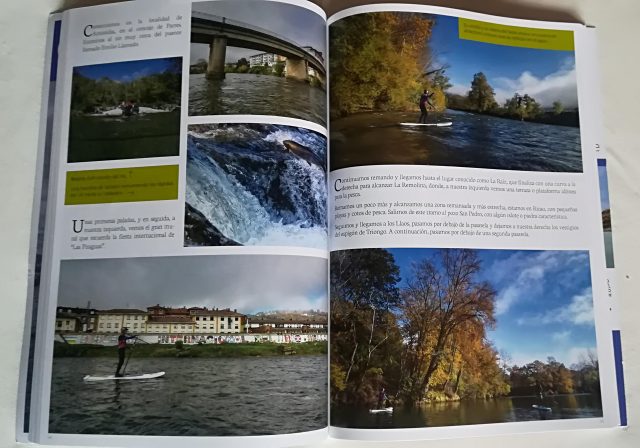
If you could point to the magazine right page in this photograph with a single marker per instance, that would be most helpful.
(470, 291)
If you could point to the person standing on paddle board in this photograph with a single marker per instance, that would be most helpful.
(424, 100)
(382, 398)
(122, 348)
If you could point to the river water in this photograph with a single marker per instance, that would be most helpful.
(94, 138)
(256, 95)
(474, 140)
(472, 412)
(247, 185)
(196, 397)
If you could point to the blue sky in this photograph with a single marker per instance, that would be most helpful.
(604, 185)
(126, 71)
(546, 75)
(543, 305)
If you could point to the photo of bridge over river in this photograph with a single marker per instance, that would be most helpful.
(224, 345)
(259, 58)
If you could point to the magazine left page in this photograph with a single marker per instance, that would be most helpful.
(183, 286)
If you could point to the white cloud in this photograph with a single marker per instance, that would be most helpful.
(561, 336)
(558, 86)
(578, 312)
(524, 276)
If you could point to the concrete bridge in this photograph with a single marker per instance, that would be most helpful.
(219, 32)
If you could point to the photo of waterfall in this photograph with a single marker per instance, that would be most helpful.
(255, 185)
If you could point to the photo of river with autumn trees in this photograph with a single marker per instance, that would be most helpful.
(490, 106)
(444, 337)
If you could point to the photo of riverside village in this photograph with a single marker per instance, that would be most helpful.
(446, 337)
(125, 110)
(259, 58)
(448, 101)
(230, 345)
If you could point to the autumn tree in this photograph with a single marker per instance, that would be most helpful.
(481, 96)
(377, 61)
(548, 378)
(443, 295)
(365, 337)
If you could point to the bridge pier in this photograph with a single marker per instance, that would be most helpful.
(296, 69)
(217, 54)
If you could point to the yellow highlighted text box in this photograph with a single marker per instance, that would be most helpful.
(148, 183)
(515, 36)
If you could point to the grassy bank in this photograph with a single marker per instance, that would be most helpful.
(192, 351)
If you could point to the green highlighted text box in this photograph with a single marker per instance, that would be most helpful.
(148, 183)
(515, 36)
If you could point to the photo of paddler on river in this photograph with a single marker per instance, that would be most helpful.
(125, 110)
(447, 337)
(223, 345)
(410, 88)
(255, 185)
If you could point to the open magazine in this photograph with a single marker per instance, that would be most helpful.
(259, 223)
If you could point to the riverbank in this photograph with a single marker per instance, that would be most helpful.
(61, 350)
(566, 118)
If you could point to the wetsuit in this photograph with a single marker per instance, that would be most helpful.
(424, 100)
(122, 348)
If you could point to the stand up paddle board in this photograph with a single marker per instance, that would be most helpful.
(377, 411)
(541, 408)
(440, 124)
(144, 376)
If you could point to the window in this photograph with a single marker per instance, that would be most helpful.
(236, 319)
(116, 325)
(135, 325)
(66, 322)
(59, 323)
(109, 325)
(236, 327)
(164, 326)
(135, 318)
(222, 326)
(101, 325)
(182, 327)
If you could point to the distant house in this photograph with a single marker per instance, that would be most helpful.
(73, 319)
(287, 324)
(262, 59)
(112, 321)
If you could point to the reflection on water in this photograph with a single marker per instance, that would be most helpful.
(472, 412)
(94, 138)
(197, 397)
(478, 141)
(256, 95)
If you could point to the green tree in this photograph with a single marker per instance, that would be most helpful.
(522, 106)
(278, 69)
(481, 96)
(365, 340)
(558, 107)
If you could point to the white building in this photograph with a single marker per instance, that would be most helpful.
(112, 321)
